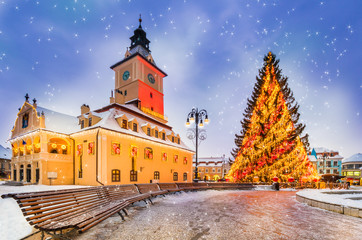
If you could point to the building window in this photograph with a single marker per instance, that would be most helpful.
(320, 171)
(151, 108)
(219, 170)
(151, 95)
(148, 131)
(116, 175)
(116, 148)
(175, 176)
(163, 136)
(175, 158)
(328, 171)
(135, 127)
(335, 171)
(89, 122)
(125, 92)
(82, 124)
(133, 176)
(178, 140)
(185, 176)
(80, 171)
(173, 139)
(213, 170)
(25, 120)
(225, 170)
(206, 170)
(148, 153)
(124, 124)
(156, 134)
(185, 160)
(156, 175)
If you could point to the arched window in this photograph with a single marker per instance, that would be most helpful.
(185, 176)
(156, 175)
(175, 176)
(116, 175)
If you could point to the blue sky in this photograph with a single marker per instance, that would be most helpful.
(60, 53)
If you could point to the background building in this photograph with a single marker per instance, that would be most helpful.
(212, 168)
(327, 161)
(126, 141)
(5, 165)
(352, 168)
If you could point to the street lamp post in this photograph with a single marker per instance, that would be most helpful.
(199, 117)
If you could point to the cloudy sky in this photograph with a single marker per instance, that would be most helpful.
(60, 53)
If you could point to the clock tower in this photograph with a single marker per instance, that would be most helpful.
(138, 80)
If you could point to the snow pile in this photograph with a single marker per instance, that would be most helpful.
(13, 224)
(339, 197)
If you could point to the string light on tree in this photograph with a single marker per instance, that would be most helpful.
(270, 145)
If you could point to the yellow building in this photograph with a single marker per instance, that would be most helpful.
(127, 141)
(211, 168)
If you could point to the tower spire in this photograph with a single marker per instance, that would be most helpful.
(140, 20)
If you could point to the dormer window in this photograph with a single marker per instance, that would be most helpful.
(89, 122)
(134, 127)
(156, 134)
(173, 139)
(178, 140)
(82, 124)
(25, 120)
(151, 95)
(148, 132)
(163, 136)
(124, 124)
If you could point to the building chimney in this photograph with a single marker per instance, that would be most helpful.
(84, 109)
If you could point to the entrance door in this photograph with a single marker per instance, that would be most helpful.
(37, 176)
(28, 174)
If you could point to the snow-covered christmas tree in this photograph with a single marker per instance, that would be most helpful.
(270, 143)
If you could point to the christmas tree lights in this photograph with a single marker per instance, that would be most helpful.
(270, 142)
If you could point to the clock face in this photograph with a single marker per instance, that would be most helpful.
(151, 78)
(125, 75)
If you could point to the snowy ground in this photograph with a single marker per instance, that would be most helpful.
(227, 215)
(350, 198)
(12, 222)
(208, 214)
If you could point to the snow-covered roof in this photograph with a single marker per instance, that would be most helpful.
(109, 122)
(5, 153)
(59, 122)
(354, 158)
(322, 150)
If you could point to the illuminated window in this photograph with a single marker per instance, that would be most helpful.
(156, 175)
(116, 175)
(357, 173)
(148, 153)
(124, 124)
(349, 173)
(133, 176)
(175, 176)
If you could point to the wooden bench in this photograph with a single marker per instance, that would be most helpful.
(201, 185)
(151, 188)
(186, 186)
(76, 209)
(170, 187)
